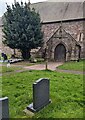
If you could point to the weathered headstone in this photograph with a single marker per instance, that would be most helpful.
(40, 95)
(4, 108)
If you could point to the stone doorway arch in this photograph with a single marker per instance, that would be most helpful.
(60, 53)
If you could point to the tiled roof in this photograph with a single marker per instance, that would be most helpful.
(59, 11)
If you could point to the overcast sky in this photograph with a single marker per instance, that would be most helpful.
(3, 4)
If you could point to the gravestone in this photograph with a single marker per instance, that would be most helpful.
(4, 108)
(40, 95)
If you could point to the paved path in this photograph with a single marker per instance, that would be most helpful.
(51, 66)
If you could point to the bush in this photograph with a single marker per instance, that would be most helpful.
(40, 59)
(35, 60)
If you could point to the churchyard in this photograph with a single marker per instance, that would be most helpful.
(35, 89)
(66, 92)
(78, 66)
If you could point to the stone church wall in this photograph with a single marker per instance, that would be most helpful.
(74, 28)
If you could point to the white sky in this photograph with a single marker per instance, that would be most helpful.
(3, 3)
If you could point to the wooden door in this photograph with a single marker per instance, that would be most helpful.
(60, 53)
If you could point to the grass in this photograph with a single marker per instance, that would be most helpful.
(73, 65)
(4, 69)
(66, 93)
(17, 66)
(14, 67)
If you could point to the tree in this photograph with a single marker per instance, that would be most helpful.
(22, 28)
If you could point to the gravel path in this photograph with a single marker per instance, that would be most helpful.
(50, 66)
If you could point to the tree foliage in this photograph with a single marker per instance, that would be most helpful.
(22, 28)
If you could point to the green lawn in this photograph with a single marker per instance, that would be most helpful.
(14, 67)
(4, 69)
(66, 93)
(73, 65)
(17, 66)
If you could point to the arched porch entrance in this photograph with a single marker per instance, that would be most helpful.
(60, 53)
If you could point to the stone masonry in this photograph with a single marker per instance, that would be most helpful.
(63, 27)
(75, 31)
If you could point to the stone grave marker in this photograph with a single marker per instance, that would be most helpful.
(4, 108)
(41, 92)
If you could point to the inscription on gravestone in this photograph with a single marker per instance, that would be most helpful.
(40, 95)
(4, 108)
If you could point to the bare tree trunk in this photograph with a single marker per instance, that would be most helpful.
(25, 54)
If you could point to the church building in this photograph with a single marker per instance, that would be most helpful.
(63, 27)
